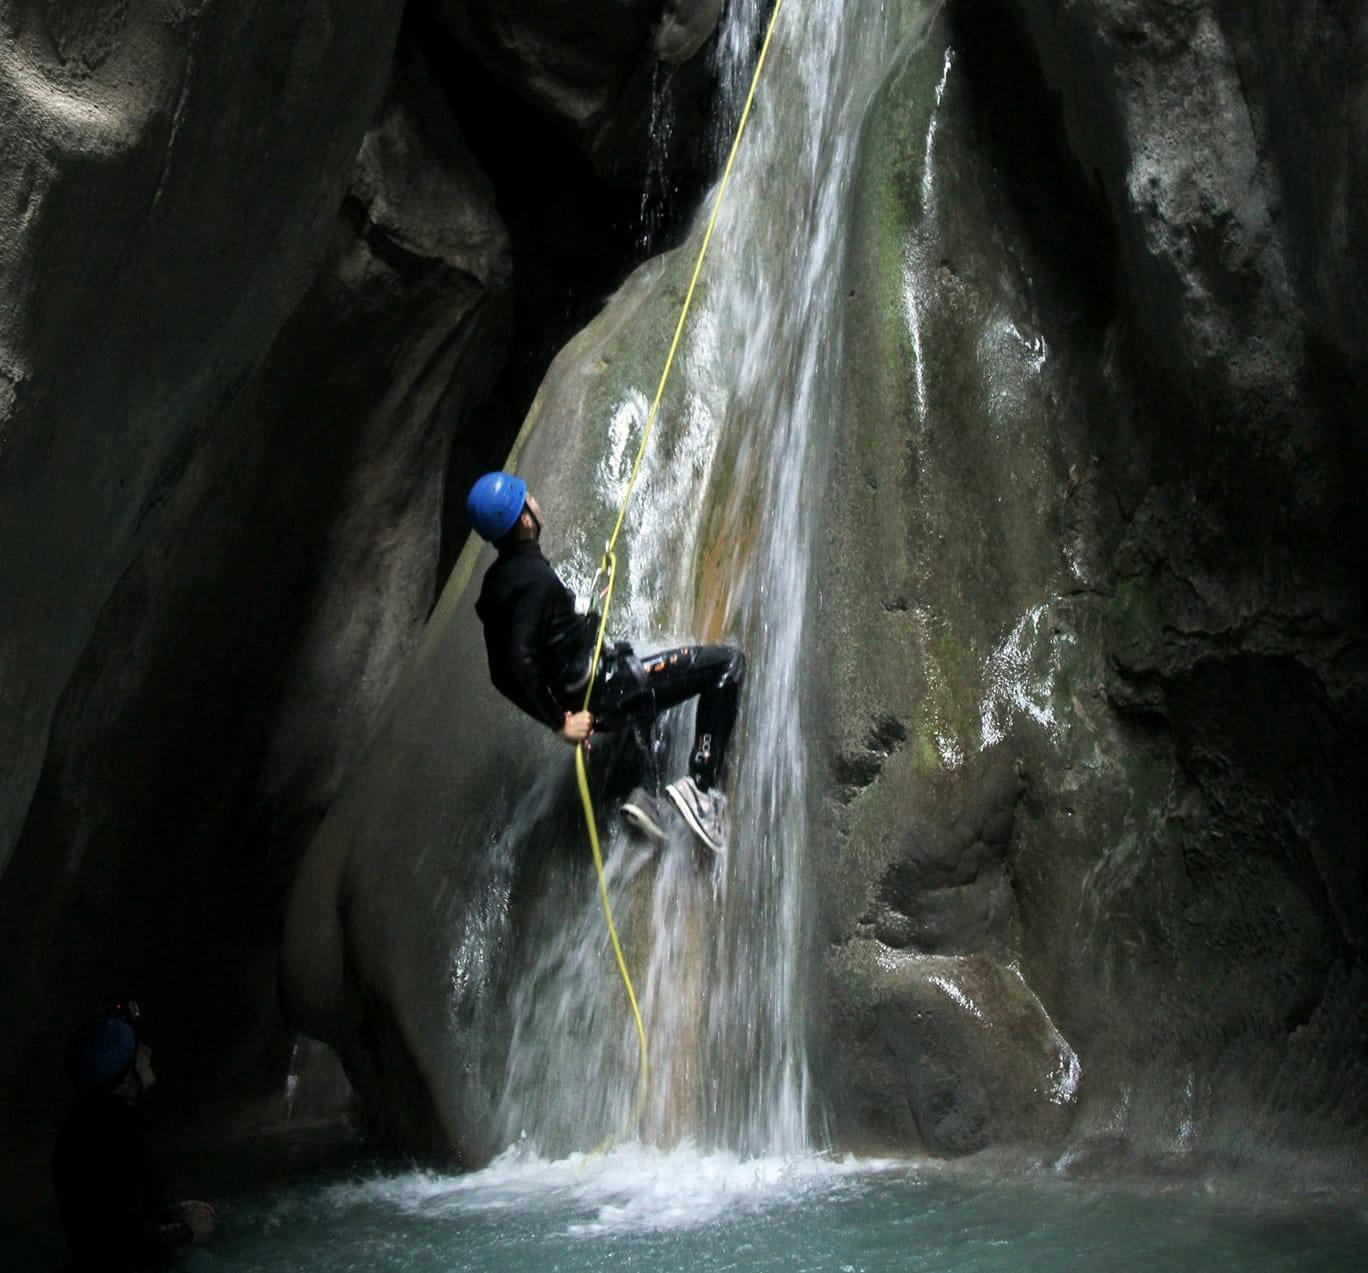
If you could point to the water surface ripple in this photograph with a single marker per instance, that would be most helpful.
(643, 1208)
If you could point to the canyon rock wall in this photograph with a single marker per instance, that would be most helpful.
(166, 172)
(240, 662)
(595, 67)
(1105, 415)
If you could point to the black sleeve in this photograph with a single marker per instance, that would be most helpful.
(537, 607)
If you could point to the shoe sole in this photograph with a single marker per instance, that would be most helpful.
(634, 815)
(693, 823)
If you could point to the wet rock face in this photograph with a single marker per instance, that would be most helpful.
(940, 536)
(407, 919)
(1236, 626)
(1100, 415)
(165, 171)
(956, 1053)
(1257, 228)
(1241, 255)
(947, 887)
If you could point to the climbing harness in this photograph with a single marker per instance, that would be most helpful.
(608, 570)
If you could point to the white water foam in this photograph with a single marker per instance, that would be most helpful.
(632, 1188)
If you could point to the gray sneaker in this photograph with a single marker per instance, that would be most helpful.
(705, 812)
(646, 813)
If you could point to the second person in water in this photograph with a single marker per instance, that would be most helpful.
(540, 651)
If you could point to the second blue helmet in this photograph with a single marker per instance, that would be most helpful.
(494, 504)
(100, 1053)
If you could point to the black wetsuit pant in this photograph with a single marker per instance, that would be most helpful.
(632, 692)
(109, 1194)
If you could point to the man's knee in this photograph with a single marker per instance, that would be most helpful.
(736, 668)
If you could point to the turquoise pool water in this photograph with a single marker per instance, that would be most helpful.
(638, 1209)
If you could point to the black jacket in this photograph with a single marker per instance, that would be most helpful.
(109, 1192)
(539, 649)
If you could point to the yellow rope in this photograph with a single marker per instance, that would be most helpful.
(608, 568)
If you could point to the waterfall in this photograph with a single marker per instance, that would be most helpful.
(719, 536)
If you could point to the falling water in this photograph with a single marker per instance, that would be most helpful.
(720, 533)
(657, 189)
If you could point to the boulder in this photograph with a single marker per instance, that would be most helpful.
(954, 1052)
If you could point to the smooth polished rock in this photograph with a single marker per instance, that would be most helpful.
(167, 174)
(241, 661)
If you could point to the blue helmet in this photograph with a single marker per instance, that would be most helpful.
(495, 502)
(100, 1053)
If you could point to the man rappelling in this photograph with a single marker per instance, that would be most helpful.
(541, 656)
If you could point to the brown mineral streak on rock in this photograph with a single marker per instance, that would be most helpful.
(727, 548)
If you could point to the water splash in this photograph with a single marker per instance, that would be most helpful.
(633, 1189)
